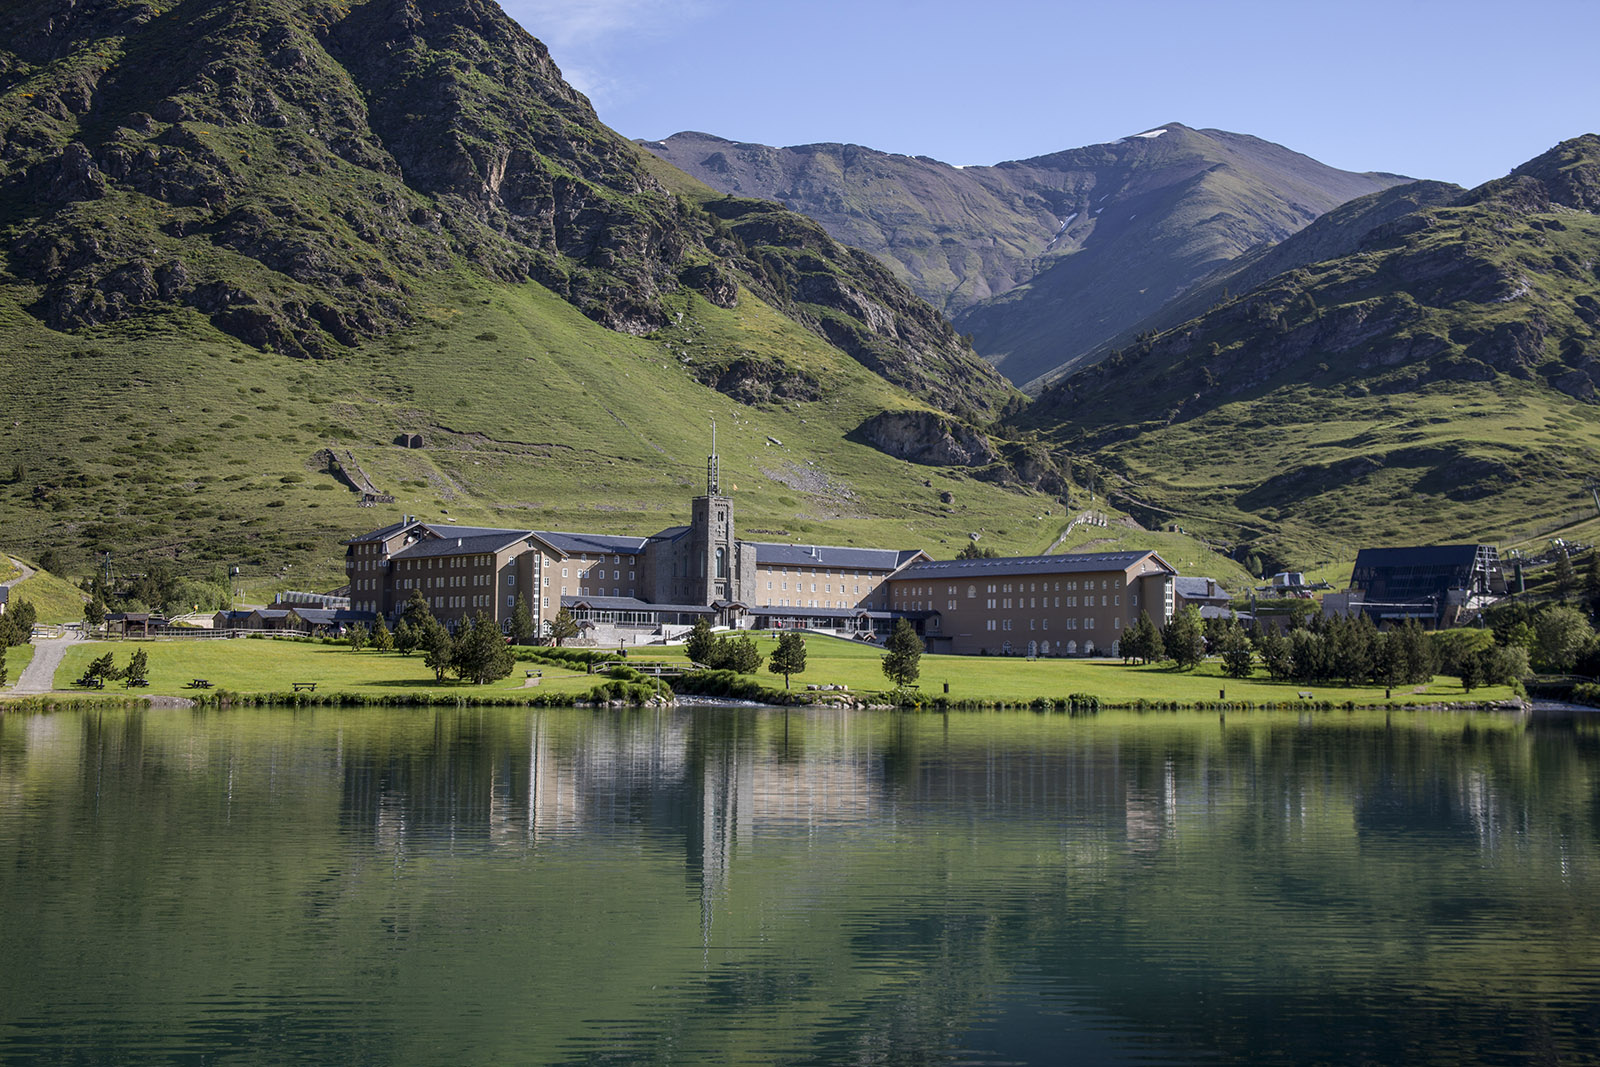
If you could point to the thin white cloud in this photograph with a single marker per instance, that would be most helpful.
(575, 23)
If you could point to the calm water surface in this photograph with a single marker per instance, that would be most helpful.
(490, 886)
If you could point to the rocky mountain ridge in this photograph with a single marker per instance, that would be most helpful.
(288, 169)
(1043, 259)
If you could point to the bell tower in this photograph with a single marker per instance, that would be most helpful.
(714, 552)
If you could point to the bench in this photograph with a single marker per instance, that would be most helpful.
(312, 686)
(1306, 694)
(534, 674)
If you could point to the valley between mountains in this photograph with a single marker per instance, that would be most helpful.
(239, 240)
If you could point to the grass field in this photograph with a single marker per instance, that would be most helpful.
(17, 658)
(272, 666)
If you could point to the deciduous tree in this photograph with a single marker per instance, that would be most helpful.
(561, 628)
(903, 663)
(789, 657)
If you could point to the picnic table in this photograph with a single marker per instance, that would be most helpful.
(312, 686)
(200, 683)
(137, 682)
(91, 682)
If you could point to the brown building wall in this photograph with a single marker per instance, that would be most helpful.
(1058, 614)
(820, 587)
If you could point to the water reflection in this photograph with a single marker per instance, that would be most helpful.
(752, 885)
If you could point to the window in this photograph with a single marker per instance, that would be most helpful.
(511, 601)
(972, 591)
(564, 572)
(511, 579)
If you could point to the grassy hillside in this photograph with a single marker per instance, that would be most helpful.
(179, 443)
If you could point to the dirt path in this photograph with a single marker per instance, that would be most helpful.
(39, 676)
(27, 572)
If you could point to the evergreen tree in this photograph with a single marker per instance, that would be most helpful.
(523, 631)
(1417, 652)
(1351, 651)
(1155, 646)
(702, 644)
(738, 654)
(1591, 575)
(1238, 658)
(1274, 650)
(138, 667)
(1133, 645)
(1566, 579)
(438, 648)
(4, 671)
(971, 551)
(94, 612)
(561, 628)
(1184, 638)
(481, 654)
(16, 625)
(416, 611)
(789, 657)
(357, 636)
(903, 663)
(382, 639)
(406, 637)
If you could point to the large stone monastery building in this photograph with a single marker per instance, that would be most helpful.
(627, 587)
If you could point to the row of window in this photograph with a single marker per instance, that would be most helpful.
(1044, 624)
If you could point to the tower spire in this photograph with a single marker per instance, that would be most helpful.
(713, 478)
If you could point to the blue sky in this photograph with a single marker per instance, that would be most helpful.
(1459, 91)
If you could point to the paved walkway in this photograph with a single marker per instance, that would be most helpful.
(39, 676)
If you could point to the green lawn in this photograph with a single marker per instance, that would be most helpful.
(248, 665)
(17, 659)
(1015, 679)
(272, 666)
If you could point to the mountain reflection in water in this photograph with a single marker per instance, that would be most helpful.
(755, 885)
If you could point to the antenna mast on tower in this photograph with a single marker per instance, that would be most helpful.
(712, 474)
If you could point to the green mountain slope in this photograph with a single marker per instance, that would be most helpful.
(1043, 259)
(234, 235)
(1437, 382)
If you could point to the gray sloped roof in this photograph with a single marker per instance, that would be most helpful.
(578, 543)
(776, 554)
(1008, 566)
(1198, 588)
(1419, 556)
(382, 533)
(469, 541)
(628, 603)
(330, 616)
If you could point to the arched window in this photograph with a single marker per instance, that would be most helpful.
(1072, 648)
(722, 563)
(972, 591)
(1044, 648)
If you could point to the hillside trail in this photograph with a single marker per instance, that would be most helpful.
(27, 572)
(39, 676)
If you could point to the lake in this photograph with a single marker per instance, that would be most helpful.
(374, 886)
